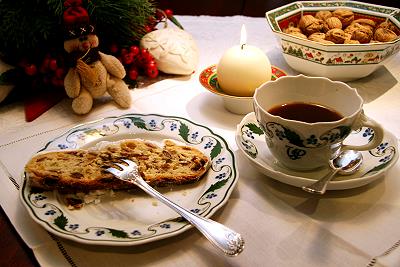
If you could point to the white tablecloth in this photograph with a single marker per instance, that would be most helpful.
(282, 225)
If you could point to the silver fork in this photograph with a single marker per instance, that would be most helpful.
(222, 237)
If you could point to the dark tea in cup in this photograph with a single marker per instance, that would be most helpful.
(305, 112)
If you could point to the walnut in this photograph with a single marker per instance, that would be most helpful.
(340, 27)
(359, 32)
(384, 35)
(308, 24)
(366, 22)
(332, 23)
(353, 27)
(336, 35)
(298, 34)
(291, 29)
(363, 34)
(317, 36)
(347, 35)
(387, 25)
(305, 21)
(349, 41)
(323, 15)
(346, 16)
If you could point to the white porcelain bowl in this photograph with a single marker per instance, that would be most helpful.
(343, 62)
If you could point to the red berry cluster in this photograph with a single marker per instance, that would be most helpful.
(49, 71)
(53, 70)
(137, 61)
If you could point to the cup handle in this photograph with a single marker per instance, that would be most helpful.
(376, 140)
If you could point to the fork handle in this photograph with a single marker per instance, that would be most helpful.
(222, 237)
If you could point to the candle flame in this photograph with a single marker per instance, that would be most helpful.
(243, 36)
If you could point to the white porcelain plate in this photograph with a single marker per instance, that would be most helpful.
(130, 218)
(250, 140)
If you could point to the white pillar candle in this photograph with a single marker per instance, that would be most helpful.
(243, 68)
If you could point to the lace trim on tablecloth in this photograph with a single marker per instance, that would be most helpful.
(30, 136)
(387, 252)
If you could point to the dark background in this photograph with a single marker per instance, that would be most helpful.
(253, 8)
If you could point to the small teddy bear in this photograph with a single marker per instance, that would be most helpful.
(92, 73)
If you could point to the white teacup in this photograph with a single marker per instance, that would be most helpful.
(301, 145)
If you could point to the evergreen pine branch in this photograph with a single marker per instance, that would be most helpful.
(56, 7)
(125, 28)
(27, 26)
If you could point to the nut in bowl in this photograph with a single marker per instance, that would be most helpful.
(235, 104)
(340, 40)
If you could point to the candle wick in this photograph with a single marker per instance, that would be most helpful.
(241, 46)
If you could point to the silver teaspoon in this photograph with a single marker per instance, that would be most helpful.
(348, 162)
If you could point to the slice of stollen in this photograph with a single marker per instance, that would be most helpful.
(84, 170)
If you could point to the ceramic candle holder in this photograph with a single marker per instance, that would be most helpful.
(235, 104)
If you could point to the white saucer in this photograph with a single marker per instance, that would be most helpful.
(250, 140)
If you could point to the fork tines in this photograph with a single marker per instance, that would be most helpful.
(123, 168)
